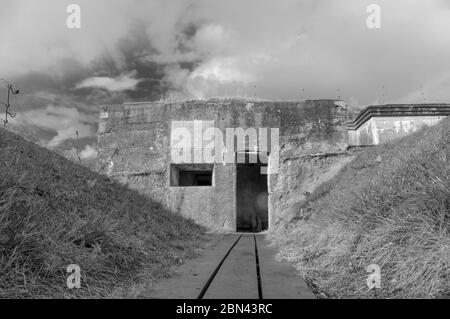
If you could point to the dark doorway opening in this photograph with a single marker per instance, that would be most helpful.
(252, 198)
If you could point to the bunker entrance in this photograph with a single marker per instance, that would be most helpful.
(252, 198)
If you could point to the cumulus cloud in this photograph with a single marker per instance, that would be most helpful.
(86, 156)
(315, 46)
(120, 83)
(89, 153)
(195, 48)
(217, 76)
(64, 121)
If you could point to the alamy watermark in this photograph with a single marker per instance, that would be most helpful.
(374, 19)
(74, 279)
(374, 279)
(206, 145)
(74, 19)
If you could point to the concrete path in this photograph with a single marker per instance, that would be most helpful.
(237, 278)
(236, 266)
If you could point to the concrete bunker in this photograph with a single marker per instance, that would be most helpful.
(221, 195)
(136, 144)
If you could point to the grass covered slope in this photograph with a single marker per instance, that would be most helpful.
(390, 206)
(54, 213)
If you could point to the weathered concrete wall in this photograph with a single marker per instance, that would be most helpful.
(302, 177)
(380, 124)
(317, 129)
(306, 175)
(380, 130)
(134, 142)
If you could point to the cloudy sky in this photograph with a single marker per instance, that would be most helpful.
(135, 50)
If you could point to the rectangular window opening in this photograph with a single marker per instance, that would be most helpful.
(190, 175)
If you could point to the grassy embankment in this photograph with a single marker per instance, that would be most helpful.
(390, 206)
(54, 213)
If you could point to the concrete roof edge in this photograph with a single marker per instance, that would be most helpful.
(231, 100)
(424, 109)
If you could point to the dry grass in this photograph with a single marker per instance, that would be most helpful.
(390, 206)
(54, 213)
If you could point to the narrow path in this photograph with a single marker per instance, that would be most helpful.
(237, 277)
(238, 266)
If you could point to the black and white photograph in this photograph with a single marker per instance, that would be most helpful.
(224, 156)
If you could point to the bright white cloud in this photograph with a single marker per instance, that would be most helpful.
(62, 120)
(88, 153)
(218, 76)
(221, 70)
(121, 83)
(213, 39)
